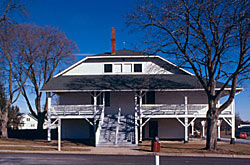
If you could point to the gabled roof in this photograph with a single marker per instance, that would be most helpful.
(30, 115)
(167, 82)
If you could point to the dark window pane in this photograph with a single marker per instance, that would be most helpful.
(107, 68)
(150, 97)
(99, 99)
(137, 67)
(92, 100)
(144, 99)
(107, 99)
(153, 129)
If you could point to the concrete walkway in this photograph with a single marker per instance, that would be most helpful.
(242, 141)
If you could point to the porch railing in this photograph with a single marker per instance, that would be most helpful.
(177, 109)
(66, 110)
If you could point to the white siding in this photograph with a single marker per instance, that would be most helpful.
(178, 97)
(123, 66)
(167, 129)
(123, 100)
(74, 98)
(75, 129)
(28, 122)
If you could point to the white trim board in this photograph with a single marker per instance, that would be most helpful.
(159, 90)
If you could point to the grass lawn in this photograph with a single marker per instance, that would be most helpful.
(194, 146)
(40, 145)
(197, 146)
(13, 141)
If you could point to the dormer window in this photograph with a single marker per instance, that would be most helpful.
(137, 67)
(107, 68)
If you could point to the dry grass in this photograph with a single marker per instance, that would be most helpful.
(19, 148)
(40, 145)
(12, 141)
(197, 146)
(194, 146)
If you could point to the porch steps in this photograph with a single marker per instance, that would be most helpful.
(126, 134)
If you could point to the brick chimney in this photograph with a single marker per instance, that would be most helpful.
(113, 41)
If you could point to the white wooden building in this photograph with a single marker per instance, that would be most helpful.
(123, 97)
(28, 122)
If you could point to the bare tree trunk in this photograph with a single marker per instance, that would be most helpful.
(40, 115)
(40, 119)
(4, 123)
(212, 117)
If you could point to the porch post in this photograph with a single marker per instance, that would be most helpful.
(203, 128)
(233, 123)
(59, 134)
(136, 117)
(95, 103)
(140, 97)
(103, 108)
(186, 121)
(192, 125)
(49, 119)
(218, 124)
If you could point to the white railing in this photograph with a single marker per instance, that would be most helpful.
(178, 109)
(66, 110)
(117, 125)
(98, 131)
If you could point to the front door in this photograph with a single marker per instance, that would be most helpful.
(153, 129)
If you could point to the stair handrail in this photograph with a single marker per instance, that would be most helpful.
(101, 120)
(117, 126)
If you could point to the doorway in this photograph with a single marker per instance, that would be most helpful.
(153, 129)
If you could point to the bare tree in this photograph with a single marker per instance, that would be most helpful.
(10, 65)
(11, 9)
(44, 50)
(10, 12)
(209, 37)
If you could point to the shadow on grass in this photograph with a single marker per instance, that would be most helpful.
(140, 149)
(182, 148)
(78, 142)
(147, 148)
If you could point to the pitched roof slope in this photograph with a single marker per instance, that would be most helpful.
(122, 83)
(123, 52)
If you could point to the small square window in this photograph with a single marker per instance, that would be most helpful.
(107, 68)
(118, 68)
(137, 67)
(28, 119)
(127, 68)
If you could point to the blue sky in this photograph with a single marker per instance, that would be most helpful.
(89, 22)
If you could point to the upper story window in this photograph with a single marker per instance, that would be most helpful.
(28, 119)
(127, 68)
(117, 68)
(107, 68)
(137, 67)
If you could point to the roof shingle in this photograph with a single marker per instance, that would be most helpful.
(123, 82)
(123, 52)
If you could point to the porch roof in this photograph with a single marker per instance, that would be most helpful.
(123, 83)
